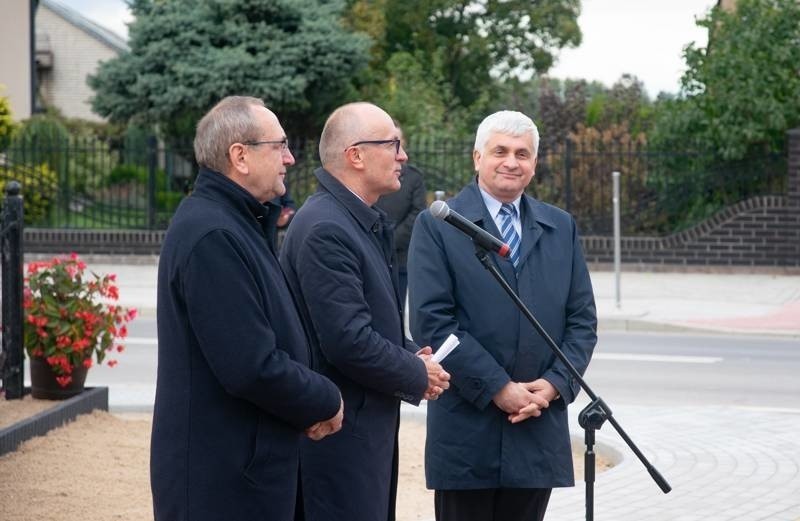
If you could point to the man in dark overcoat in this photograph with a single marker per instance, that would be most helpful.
(339, 259)
(234, 393)
(498, 442)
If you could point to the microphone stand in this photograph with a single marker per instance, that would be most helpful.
(592, 417)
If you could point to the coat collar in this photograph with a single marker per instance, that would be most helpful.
(366, 216)
(533, 215)
(469, 203)
(218, 187)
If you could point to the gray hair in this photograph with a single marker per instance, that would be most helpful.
(229, 121)
(509, 122)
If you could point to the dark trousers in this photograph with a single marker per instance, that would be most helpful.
(493, 504)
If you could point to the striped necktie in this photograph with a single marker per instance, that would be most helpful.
(510, 235)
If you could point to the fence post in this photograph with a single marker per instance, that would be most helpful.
(617, 242)
(152, 165)
(12, 365)
(793, 181)
(568, 176)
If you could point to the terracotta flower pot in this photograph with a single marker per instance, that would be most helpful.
(44, 385)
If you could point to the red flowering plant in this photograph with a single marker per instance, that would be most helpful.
(71, 315)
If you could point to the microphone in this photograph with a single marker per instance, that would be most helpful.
(481, 237)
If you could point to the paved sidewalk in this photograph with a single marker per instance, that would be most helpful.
(723, 463)
(718, 302)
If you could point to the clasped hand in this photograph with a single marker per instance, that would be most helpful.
(523, 400)
(438, 378)
(321, 429)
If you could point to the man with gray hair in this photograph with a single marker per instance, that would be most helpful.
(498, 442)
(339, 260)
(234, 394)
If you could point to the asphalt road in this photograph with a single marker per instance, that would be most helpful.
(627, 369)
(691, 369)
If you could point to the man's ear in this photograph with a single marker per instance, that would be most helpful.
(353, 155)
(237, 153)
(476, 157)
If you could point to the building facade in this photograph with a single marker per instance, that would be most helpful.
(69, 48)
(16, 62)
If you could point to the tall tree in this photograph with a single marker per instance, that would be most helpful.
(465, 45)
(742, 92)
(186, 55)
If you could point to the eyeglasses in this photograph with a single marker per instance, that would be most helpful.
(396, 143)
(284, 143)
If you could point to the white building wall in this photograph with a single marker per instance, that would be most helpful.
(76, 55)
(15, 56)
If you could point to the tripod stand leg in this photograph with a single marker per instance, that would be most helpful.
(588, 473)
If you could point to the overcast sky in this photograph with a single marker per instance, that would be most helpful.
(641, 37)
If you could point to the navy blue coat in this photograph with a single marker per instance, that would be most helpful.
(234, 392)
(337, 256)
(470, 442)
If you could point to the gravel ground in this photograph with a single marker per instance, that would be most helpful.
(96, 469)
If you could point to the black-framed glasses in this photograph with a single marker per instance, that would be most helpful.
(379, 142)
(284, 143)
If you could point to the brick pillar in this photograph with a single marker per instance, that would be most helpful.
(793, 141)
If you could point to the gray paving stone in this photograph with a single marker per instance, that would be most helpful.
(717, 471)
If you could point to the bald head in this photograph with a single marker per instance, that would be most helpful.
(348, 124)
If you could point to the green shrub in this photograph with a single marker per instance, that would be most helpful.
(40, 140)
(6, 122)
(39, 189)
(82, 160)
(128, 173)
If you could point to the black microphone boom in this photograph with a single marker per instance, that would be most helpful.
(481, 237)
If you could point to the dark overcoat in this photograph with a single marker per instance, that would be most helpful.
(470, 442)
(337, 258)
(234, 392)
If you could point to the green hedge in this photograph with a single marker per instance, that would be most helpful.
(39, 189)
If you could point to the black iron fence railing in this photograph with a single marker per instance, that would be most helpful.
(95, 185)
(11, 279)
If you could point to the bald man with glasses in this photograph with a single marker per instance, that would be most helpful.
(338, 256)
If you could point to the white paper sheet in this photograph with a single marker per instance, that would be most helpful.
(450, 343)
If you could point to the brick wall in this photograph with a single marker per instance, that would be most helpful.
(117, 242)
(761, 231)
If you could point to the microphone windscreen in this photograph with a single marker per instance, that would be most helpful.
(439, 209)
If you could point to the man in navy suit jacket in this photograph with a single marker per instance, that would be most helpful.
(498, 441)
(339, 259)
(234, 394)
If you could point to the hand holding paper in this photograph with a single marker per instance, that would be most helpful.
(438, 378)
(450, 343)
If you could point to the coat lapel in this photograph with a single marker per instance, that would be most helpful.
(532, 220)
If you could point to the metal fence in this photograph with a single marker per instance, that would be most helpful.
(11, 281)
(97, 185)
